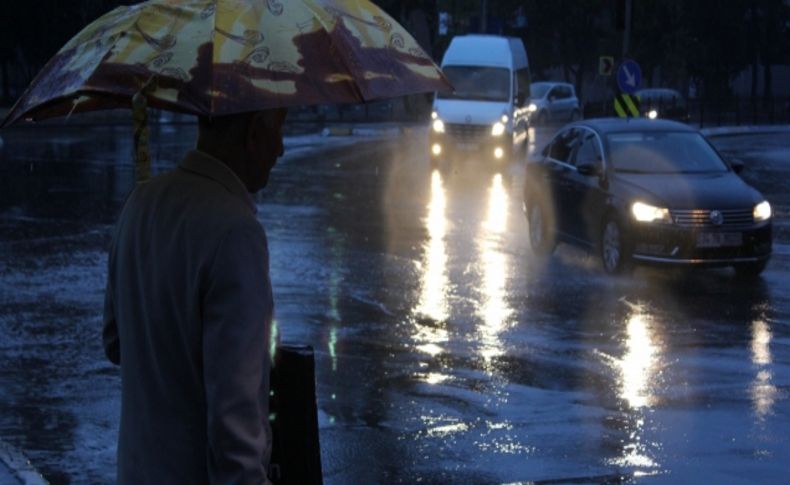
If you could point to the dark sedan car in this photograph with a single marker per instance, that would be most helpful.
(663, 103)
(645, 191)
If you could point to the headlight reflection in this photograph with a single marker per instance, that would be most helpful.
(434, 282)
(494, 309)
(638, 370)
(763, 391)
(638, 366)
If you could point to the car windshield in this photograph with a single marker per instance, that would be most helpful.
(538, 90)
(478, 83)
(663, 152)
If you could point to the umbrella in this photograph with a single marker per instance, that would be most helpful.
(218, 57)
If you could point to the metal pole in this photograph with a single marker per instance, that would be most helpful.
(627, 32)
(484, 18)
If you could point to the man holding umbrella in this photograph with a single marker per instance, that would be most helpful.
(189, 303)
(188, 311)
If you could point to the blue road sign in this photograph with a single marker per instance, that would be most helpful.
(629, 76)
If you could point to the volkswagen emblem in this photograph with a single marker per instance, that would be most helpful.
(716, 217)
(468, 119)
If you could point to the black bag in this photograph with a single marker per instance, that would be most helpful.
(296, 453)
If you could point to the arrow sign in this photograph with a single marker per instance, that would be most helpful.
(629, 76)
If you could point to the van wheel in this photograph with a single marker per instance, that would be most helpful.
(615, 255)
(541, 235)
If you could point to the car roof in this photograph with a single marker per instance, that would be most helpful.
(605, 126)
(673, 92)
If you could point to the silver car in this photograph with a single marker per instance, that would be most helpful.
(553, 101)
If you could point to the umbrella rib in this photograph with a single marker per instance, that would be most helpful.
(356, 88)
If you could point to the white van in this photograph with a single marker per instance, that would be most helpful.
(487, 111)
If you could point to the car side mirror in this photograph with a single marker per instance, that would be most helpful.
(589, 168)
(552, 99)
(737, 165)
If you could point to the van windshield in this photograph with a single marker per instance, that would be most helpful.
(478, 83)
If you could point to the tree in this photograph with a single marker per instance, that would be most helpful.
(568, 33)
(717, 48)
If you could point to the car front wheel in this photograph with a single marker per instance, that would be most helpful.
(614, 253)
(750, 270)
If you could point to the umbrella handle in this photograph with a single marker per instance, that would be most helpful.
(142, 156)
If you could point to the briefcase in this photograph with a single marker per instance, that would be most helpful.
(293, 411)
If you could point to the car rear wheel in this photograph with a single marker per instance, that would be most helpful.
(614, 250)
(750, 270)
(541, 237)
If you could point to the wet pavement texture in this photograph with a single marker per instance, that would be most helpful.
(446, 352)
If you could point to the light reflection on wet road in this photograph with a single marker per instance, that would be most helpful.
(446, 352)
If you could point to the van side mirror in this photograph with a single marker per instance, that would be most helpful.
(737, 165)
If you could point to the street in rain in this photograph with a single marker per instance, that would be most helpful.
(452, 344)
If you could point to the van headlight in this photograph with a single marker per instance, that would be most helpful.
(498, 129)
(647, 213)
(532, 107)
(438, 126)
(762, 211)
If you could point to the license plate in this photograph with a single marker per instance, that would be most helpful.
(719, 239)
(468, 146)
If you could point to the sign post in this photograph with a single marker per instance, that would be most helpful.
(629, 80)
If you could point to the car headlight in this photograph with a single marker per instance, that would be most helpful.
(498, 129)
(762, 211)
(438, 126)
(434, 115)
(652, 114)
(532, 107)
(504, 118)
(647, 213)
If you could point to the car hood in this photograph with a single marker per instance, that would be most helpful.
(693, 191)
(461, 111)
(542, 101)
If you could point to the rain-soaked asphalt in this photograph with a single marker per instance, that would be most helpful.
(446, 352)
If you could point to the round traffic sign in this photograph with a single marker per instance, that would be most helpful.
(629, 76)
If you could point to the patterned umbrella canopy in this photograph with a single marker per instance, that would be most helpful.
(216, 57)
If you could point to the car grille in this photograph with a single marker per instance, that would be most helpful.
(733, 218)
(468, 132)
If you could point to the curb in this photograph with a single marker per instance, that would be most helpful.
(15, 465)
(366, 131)
(745, 130)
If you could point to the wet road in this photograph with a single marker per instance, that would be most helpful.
(446, 353)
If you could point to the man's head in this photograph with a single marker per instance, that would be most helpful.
(248, 143)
